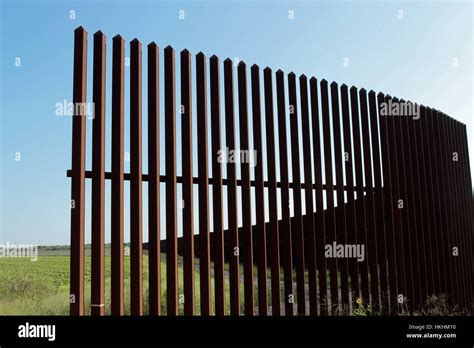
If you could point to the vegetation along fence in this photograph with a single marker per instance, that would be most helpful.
(322, 199)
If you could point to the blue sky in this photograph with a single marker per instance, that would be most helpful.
(419, 51)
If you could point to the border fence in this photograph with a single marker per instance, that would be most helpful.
(338, 171)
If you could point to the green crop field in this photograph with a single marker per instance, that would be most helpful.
(42, 287)
(34, 288)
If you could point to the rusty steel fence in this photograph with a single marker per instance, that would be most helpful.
(333, 174)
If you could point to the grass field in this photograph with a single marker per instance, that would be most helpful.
(34, 288)
(42, 287)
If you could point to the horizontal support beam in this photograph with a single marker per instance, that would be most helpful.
(179, 179)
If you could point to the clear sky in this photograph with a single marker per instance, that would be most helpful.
(419, 51)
